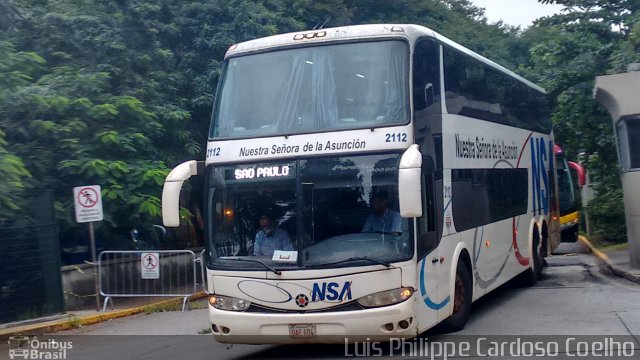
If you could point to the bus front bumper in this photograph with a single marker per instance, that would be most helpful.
(569, 232)
(376, 324)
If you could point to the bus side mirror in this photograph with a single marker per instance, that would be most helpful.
(409, 184)
(171, 192)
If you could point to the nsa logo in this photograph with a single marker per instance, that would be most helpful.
(302, 300)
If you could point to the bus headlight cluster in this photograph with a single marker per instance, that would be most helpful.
(228, 303)
(385, 298)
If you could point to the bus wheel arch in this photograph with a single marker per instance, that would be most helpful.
(461, 288)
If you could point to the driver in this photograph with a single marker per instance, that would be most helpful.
(382, 219)
(270, 238)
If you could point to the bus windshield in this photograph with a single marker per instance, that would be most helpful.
(566, 193)
(322, 212)
(312, 89)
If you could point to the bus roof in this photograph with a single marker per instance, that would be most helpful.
(360, 32)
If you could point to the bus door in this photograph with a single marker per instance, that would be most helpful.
(429, 304)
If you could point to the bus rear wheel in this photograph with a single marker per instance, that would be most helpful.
(531, 275)
(463, 296)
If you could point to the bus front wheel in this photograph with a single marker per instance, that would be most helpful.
(463, 296)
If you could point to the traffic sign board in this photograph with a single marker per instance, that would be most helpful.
(88, 203)
(150, 262)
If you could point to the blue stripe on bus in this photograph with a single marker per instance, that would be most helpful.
(423, 292)
(446, 207)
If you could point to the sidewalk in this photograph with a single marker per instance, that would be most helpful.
(617, 261)
(88, 317)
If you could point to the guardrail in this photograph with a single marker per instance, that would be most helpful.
(148, 273)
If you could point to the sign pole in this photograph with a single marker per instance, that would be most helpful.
(88, 206)
(92, 248)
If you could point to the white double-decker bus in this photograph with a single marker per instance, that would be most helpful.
(367, 182)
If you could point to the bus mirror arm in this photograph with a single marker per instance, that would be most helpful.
(171, 191)
(409, 183)
(582, 174)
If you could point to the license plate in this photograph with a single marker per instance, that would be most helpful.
(302, 330)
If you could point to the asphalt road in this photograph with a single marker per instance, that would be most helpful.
(574, 299)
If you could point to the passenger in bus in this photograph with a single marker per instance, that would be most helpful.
(382, 219)
(270, 238)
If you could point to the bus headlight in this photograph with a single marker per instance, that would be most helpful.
(385, 298)
(228, 303)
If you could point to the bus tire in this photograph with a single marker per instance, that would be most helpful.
(544, 249)
(531, 275)
(463, 297)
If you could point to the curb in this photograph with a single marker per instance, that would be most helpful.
(607, 262)
(71, 323)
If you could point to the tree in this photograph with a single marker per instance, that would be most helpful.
(15, 70)
(116, 92)
(589, 38)
(616, 15)
(75, 115)
(12, 175)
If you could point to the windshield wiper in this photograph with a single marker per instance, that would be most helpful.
(375, 261)
(275, 271)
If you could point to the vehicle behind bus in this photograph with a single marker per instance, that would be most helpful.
(567, 199)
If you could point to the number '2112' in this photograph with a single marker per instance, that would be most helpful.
(213, 152)
(396, 137)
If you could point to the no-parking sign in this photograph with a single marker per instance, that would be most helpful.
(88, 203)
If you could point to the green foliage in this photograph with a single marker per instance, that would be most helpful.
(619, 15)
(606, 215)
(90, 107)
(12, 175)
(116, 92)
(582, 126)
(16, 69)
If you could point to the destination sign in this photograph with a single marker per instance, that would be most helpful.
(302, 145)
(262, 172)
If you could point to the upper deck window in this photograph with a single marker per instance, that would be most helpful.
(477, 90)
(313, 89)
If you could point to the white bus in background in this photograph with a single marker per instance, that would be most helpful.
(309, 127)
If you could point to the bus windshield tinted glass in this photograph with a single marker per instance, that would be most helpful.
(321, 212)
(311, 89)
(565, 188)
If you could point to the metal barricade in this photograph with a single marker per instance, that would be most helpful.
(202, 269)
(147, 273)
